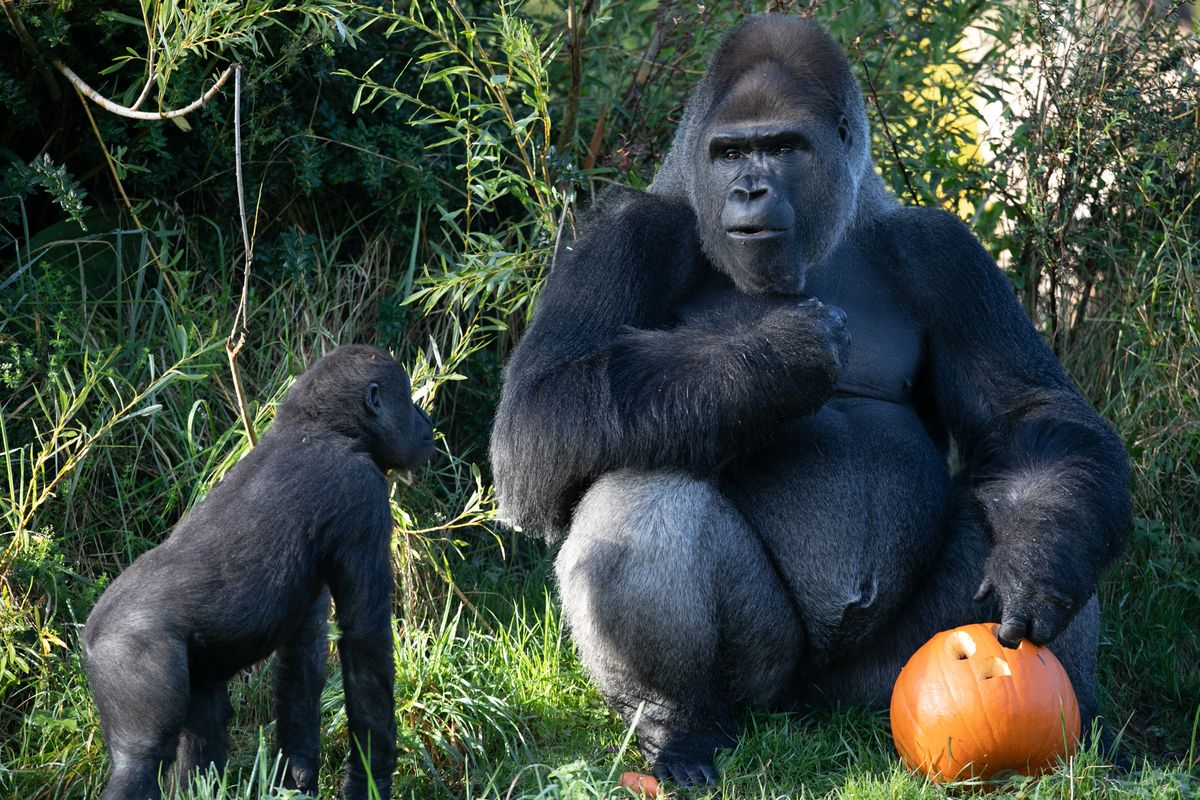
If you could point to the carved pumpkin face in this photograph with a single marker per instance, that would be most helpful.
(965, 706)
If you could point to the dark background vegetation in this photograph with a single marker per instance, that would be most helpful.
(407, 172)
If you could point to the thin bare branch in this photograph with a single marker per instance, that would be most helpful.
(125, 111)
(238, 334)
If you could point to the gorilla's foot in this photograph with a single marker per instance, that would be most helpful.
(686, 756)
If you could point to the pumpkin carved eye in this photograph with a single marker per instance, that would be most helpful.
(960, 645)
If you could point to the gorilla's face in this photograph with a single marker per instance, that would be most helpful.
(401, 431)
(773, 185)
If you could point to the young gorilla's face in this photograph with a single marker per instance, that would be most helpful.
(402, 435)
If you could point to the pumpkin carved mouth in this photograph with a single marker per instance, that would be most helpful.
(994, 667)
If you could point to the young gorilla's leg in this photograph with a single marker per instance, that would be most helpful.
(140, 682)
(297, 677)
(672, 603)
(203, 739)
(945, 599)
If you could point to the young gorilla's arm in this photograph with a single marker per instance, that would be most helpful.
(1049, 475)
(360, 580)
(597, 385)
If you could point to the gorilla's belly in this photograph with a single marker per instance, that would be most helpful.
(851, 505)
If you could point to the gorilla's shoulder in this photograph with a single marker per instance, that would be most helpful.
(923, 230)
(933, 244)
(624, 207)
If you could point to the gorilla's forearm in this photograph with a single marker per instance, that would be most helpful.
(694, 395)
(1053, 487)
(689, 398)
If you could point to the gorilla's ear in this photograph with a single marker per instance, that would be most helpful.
(844, 130)
(373, 400)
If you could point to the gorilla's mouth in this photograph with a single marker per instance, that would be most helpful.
(746, 233)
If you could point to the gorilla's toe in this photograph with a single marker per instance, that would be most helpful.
(686, 774)
(688, 758)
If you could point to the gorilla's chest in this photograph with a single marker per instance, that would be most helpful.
(885, 350)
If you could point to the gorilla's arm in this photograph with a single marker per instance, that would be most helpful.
(1049, 475)
(598, 383)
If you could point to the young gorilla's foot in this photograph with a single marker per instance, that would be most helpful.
(685, 757)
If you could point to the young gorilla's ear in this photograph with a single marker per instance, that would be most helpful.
(373, 400)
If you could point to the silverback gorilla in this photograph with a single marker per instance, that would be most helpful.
(738, 402)
(249, 572)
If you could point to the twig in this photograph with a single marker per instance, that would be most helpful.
(237, 336)
(149, 79)
(576, 26)
(887, 132)
(596, 141)
(126, 111)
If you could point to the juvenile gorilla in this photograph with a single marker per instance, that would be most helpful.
(249, 572)
(738, 400)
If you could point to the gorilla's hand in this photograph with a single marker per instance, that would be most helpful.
(1038, 592)
(811, 339)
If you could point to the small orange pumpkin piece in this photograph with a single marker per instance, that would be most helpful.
(642, 785)
(965, 706)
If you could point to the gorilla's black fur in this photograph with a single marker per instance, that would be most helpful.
(249, 571)
(737, 402)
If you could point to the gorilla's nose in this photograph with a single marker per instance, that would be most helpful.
(748, 194)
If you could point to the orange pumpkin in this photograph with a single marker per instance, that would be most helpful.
(965, 706)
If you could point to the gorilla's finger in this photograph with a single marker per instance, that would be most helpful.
(710, 774)
(1012, 630)
(1044, 628)
(680, 775)
(662, 772)
(984, 590)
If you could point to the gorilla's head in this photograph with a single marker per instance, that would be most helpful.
(363, 393)
(771, 153)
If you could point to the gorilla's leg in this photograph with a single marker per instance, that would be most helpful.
(944, 599)
(203, 739)
(297, 677)
(139, 679)
(673, 603)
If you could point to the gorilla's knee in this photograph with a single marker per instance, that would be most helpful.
(634, 565)
(662, 583)
(648, 520)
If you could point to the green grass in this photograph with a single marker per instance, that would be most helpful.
(493, 703)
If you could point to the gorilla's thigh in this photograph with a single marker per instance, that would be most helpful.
(672, 600)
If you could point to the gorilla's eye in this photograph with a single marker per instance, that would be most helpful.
(784, 149)
(732, 155)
